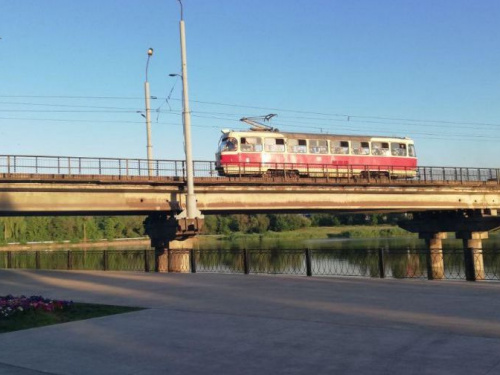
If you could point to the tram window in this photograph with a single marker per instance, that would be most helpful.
(318, 146)
(340, 147)
(297, 146)
(411, 151)
(274, 144)
(365, 148)
(380, 148)
(251, 144)
(398, 149)
(360, 148)
(229, 144)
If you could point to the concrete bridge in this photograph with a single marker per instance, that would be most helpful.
(441, 199)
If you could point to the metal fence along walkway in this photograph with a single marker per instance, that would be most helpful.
(380, 263)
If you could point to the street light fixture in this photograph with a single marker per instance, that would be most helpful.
(148, 117)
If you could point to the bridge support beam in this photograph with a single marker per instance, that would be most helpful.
(172, 240)
(435, 260)
(161, 229)
(473, 254)
(471, 226)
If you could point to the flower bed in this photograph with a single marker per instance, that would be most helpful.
(11, 305)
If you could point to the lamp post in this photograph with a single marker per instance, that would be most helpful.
(191, 209)
(148, 118)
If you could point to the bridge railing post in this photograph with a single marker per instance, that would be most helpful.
(36, 164)
(37, 260)
(9, 259)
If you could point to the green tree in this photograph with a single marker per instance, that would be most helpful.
(324, 220)
(259, 223)
(287, 222)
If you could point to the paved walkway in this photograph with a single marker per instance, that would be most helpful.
(236, 324)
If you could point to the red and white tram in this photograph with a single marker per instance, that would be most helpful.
(258, 152)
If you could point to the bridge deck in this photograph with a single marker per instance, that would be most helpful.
(80, 186)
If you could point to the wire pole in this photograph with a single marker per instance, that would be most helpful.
(148, 118)
(191, 209)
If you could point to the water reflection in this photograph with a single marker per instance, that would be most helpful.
(402, 257)
(391, 243)
(373, 257)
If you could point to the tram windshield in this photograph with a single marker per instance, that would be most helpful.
(228, 144)
(411, 151)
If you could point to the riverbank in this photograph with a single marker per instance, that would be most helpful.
(341, 231)
(116, 243)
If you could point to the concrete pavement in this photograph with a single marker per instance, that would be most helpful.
(256, 324)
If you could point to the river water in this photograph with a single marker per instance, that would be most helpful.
(402, 257)
(390, 243)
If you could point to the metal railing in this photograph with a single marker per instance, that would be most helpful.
(77, 166)
(82, 167)
(379, 263)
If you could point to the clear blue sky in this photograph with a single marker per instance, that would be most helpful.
(72, 73)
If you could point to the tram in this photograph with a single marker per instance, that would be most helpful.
(263, 150)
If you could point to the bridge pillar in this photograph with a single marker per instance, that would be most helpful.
(473, 254)
(172, 240)
(435, 260)
(179, 255)
(161, 229)
(161, 259)
(471, 226)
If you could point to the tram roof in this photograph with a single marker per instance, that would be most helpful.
(313, 135)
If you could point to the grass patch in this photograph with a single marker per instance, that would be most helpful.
(371, 233)
(77, 311)
(341, 231)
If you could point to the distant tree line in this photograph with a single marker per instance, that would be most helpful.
(225, 224)
(91, 228)
(72, 228)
